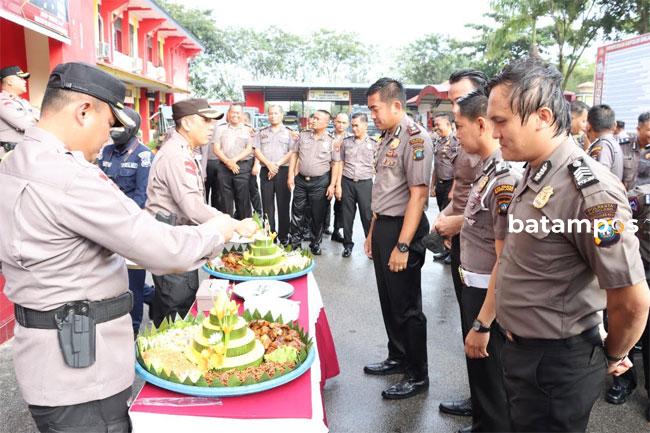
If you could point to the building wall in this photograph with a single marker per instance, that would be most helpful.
(37, 48)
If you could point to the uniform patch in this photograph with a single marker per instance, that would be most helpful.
(504, 189)
(490, 165)
(601, 211)
(542, 172)
(482, 182)
(634, 204)
(190, 168)
(502, 207)
(582, 174)
(502, 167)
(394, 144)
(417, 142)
(543, 197)
(391, 153)
(389, 162)
(503, 195)
(418, 154)
(594, 152)
(145, 158)
(608, 233)
(413, 129)
(647, 155)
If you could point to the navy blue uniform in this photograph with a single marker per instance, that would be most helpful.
(128, 166)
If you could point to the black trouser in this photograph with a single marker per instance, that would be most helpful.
(234, 189)
(442, 192)
(211, 184)
(458, 284)
(136, 286)
(272, 190)
(309, 193)
(107, 415)
(355, 194)
(175, 293)
(400, 296)
(338, 215)
(254, 193)
(552, 384)
(489, 400)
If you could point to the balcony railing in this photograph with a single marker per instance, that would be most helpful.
(155, 73)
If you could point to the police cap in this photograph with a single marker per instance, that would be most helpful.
(85, 78)
(198, 106)
(13, 70)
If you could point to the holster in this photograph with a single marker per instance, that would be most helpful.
(167, 218)
(76, 332)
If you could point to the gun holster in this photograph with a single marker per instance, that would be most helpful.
(76, 332)
(167, 218)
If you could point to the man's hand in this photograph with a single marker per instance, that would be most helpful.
(367, 246)
(476, 344)
(620, 367)
(246, 227)
(223, 224)
(234, 167)
(290, 182)
(444, 225)
(330, 191)
(398, 260)
(273, 168)
(338, 192)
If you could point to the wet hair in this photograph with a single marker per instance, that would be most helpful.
(362, 116)
(578, 107)
(644, 117)
(389, 90)
(447, 115)
(478, 78)
(620, 124)
(56, 99)
(534, 84)
(601, 118)
(329, 115)
(473, 105)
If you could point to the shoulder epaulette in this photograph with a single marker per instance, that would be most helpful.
(582, 174)
(542, 171)
(502, 167)
(413, 129)
(488, 168)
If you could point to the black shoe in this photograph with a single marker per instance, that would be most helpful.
(447, 260)
(328, 231)
(456, 407)
(347, 252)
(315, 250)
(336, 237)
(618, 393)
(406, 388)
(384, 368)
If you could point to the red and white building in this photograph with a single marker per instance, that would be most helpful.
(135, 40)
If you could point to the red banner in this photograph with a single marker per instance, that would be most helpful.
(49, 14)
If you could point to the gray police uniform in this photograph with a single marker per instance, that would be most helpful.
(315, 156)
(548, 297)
(274, 145)
(445, 150)
(234, 189)
(643, 166)
(630, 150)
(404, 159)
(485, 221)
(607, 151)
(16, 115)
(358, 158)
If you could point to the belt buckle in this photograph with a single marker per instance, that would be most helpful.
(461, 274)
(307, 178)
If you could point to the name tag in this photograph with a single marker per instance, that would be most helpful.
(106, 164)
(129, 165)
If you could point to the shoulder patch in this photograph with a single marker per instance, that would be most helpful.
(503, 195)
(413, 129)
(416, 142)
(145, 158)
(582, 174)
(601, 211)
(418, 153)
(490, 165)
(542, 172)
(595, 151)
(502, 167)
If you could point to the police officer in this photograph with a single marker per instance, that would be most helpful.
(399, 198)
(643, 144)
(211, 164)
(126, 162)
(234, 148)
(445, 150)
(273, 147)
(547, 304)
(630, 150)
(481, 237)
(579, 112)
(16, 113)
(68, 279)
(604, 147)
(467, 168)
(253, 187)
(313, 174)
(175, 196)
(341, 123)
(355, 183)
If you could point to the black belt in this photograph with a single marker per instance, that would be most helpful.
(591, 335)
(310, 178)
(101, 311)
(356, 180)
(389, 217)
(445, 181)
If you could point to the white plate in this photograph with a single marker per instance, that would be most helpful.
(274, 288)
(288, 309)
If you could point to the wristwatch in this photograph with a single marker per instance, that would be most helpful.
(402, 247)
(478, 326)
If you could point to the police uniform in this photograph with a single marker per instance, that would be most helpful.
(485, 220)
(127, 164)
(358, 158)
(274, 145)
(606, 150)
(643, 165)
(630, 151)
(212, 162)
(66, 228)
(16, 114)
(337, 209)
(404, 159)
(547, 299)
(445, 150)
(315, 156)
(234, 189)
(175, 195)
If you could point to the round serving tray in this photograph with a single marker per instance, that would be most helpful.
(234, 277)
(226, 391)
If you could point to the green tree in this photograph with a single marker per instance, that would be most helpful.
(583, 72)
(625, 17)
(336, 56)
(431, 59)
